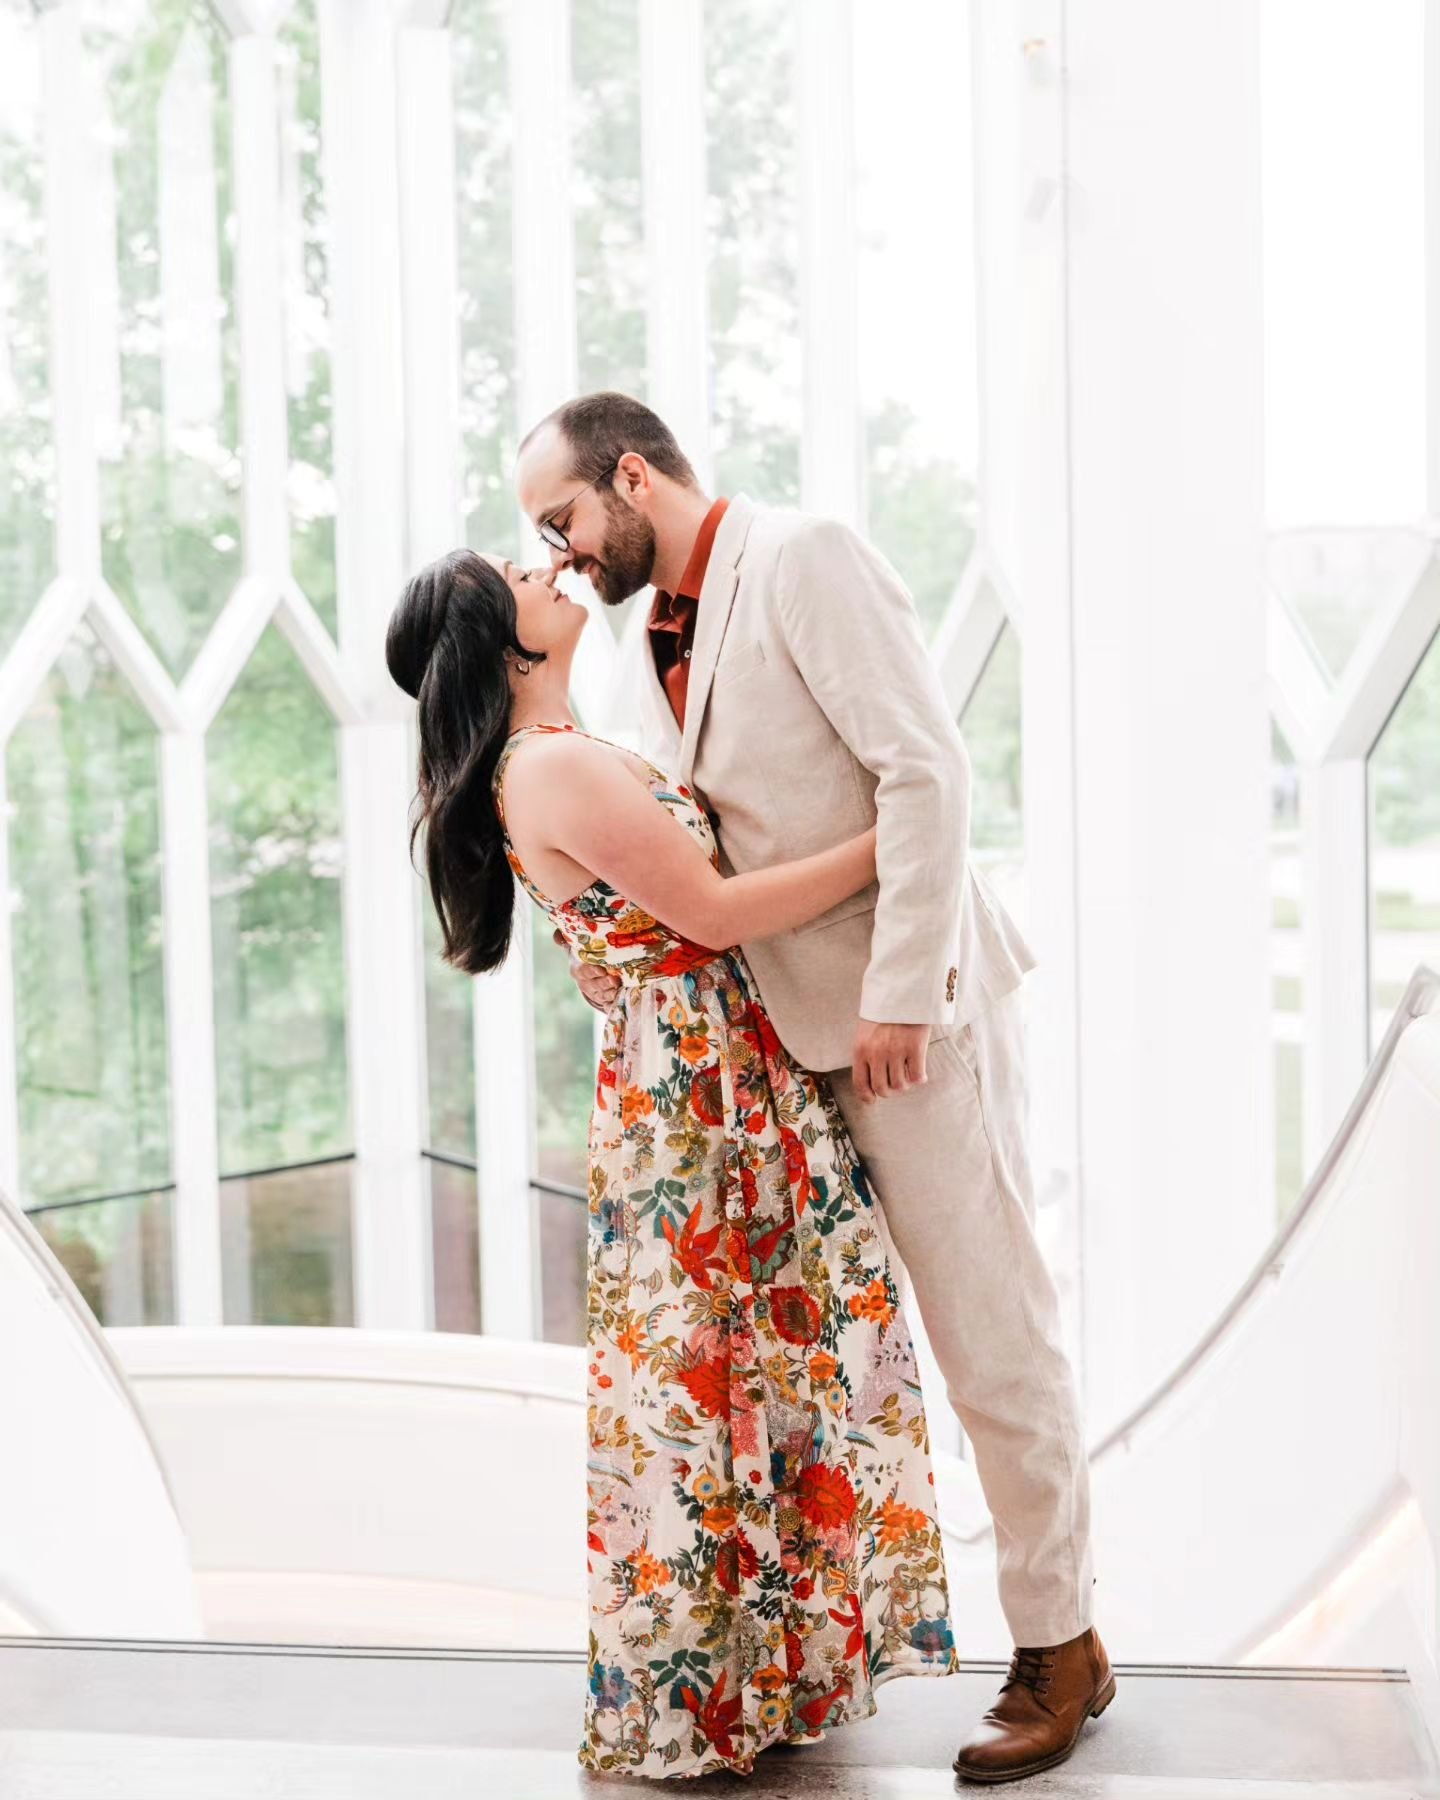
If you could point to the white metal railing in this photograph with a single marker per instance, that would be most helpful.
(1419, 998)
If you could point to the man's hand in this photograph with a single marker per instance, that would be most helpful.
(599, 986)
(888, 1058)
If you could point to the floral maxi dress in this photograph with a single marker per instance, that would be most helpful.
(763, 1545)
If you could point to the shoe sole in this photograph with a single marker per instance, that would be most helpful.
(1097, 1706)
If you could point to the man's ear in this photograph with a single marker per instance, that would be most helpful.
(635, 473)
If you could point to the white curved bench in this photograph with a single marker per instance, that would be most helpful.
(376, 1487)
(90, 1541)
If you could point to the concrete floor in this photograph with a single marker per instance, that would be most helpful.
(88, 1720)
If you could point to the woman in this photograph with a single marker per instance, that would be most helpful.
(763, 1545)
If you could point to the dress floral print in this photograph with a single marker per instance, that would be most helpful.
(763, 1546)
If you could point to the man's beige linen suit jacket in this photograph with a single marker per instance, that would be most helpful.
(813, 711)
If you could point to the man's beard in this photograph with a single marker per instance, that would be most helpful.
(627, 553)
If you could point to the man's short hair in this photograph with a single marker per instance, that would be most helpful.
(601, 428)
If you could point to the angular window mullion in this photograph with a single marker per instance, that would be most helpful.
(80, 265)
(672, 99)
(254, 102)
(392, 1230)
(753, 267)
(830, 444)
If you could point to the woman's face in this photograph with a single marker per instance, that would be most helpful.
(546, 619)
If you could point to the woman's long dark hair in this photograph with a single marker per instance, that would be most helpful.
(445, 646)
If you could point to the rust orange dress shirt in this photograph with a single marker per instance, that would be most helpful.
(671, 624)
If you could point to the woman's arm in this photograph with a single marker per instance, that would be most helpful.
(591, 809)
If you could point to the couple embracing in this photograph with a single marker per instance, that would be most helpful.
(810, 1088)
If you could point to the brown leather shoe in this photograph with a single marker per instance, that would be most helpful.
(1043, 1702)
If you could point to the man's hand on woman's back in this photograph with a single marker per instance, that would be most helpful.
(599, 986)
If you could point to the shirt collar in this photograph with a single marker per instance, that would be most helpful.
(693, 579)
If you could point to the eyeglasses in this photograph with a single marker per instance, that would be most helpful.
(551, 533)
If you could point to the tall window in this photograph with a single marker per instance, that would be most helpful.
(916, 276)
(1350, 558)
(164, 344)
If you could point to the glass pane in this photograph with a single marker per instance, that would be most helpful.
(565, 1066)
(117, 1252)
(483, 187)
(565, 1060)
(455, 1223)
(85, 874)
(1343, 161)
(164, 341)
(562, 1268)
(27, 491)
(285, 1247)
(753, 217)
(1335, 582)
(275, 866)
(449, 1040)
(1405, 843)
(990, 725)
(607, 196)
(305, 273)
(917, 326)
(610, 265)
(1286, 962)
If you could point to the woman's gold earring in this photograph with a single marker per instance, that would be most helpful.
(522, 665)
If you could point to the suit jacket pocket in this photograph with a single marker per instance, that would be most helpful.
(864, 901)
(743, 660)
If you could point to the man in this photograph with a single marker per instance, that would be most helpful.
(786, 679)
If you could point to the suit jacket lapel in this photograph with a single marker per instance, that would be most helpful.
(717, 594)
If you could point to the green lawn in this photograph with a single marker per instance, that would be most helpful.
(1402, 912)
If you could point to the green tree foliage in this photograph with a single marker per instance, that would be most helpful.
(275, 860)
(27, 456)
(990, 725)
(483, 188)
(608, 201)
(170, 509)
(310, 476)
(921, 511)
(753, 239)
(90, 999)
(1405, 766)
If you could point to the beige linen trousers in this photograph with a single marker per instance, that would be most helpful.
(813, 711)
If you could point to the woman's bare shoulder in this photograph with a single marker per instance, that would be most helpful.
(550, 760)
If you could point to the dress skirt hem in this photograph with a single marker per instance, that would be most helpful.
(745, 1765)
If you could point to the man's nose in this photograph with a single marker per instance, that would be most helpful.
(560, 559)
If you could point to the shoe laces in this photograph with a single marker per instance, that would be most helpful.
(1031, 1669)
